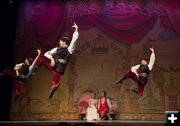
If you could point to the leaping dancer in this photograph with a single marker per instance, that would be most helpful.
(140, 73)
(19, 74)
(57, 59)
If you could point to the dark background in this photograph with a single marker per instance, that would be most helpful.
(8, 31)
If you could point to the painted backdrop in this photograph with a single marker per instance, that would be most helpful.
(113, 37)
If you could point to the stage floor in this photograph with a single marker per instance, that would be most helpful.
(82, 123)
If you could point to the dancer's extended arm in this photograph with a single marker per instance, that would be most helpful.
(72, 46)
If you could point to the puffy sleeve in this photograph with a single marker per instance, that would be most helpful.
(30, 68)
(135, 68)
(18, 66)
(50, 53)
(151, 61)
(108, 102)
(99, 103)
(72, 46)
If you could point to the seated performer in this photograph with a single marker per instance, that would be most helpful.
(140, 73)
(91, 112)
(19, 74)
(57, 59)
(104, 105)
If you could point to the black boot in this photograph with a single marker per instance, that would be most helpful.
(121, 80)
(51, 93)
(16, 97)
(135, 90)
(32, 72)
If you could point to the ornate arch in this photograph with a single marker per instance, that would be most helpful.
(98, 46)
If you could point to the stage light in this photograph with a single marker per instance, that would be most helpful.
(10, 1)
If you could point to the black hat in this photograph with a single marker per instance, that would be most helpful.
(30, 60)
(65, 39)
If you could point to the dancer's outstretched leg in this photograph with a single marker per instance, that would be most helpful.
(19, 88)
(40, 59)
(141, 89)
(133, 76)
(135, 90)
(127, 75)
(16, 97)
(121, 80)
(19, 81)
(9, 73)
(56, 81)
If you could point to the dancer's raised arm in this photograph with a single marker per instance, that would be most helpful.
(152, 59)
(72, 46)
(39, 52)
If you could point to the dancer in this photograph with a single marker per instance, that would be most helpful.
(92, 114)
(57, 59)
(140, 73)
(104, 105)
(19, 74)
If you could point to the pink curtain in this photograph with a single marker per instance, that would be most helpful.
(173, 11)
(41, 24)
(48, 24)
(127, 27)
(45, 22)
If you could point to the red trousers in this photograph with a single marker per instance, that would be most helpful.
(133, 76)
(103, 111)
(19, 84)
(56, 76)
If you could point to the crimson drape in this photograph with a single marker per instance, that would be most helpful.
(173, 11)
(126, 27)
(41, 24)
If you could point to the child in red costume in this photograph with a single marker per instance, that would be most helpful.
(103, 106)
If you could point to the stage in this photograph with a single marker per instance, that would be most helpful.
(82, 123)
(110, 38)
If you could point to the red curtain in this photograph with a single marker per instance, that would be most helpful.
(48, 24)
(173, 11)
(41, 24)
(127, 27)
